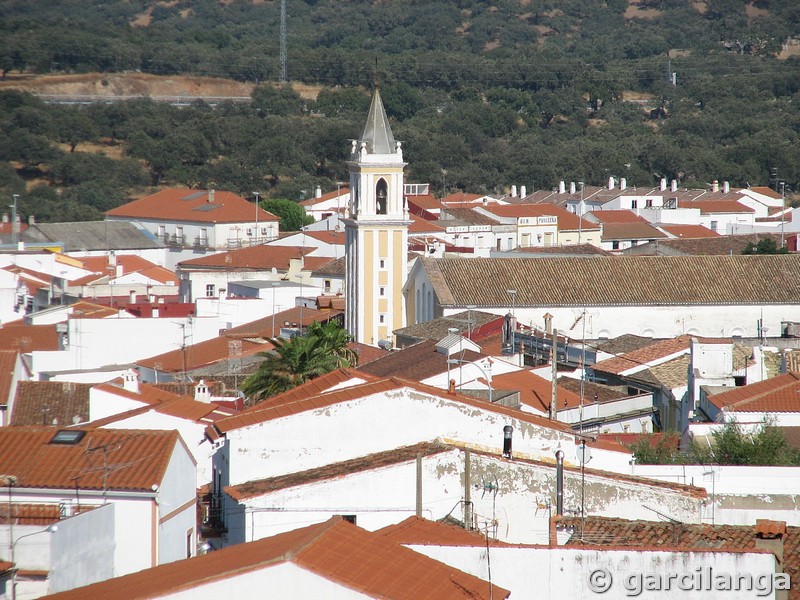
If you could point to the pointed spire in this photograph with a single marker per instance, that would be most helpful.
(377, 133)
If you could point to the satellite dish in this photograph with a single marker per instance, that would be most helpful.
(583, 454)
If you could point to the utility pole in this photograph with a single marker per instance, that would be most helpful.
(14, 225)
(554, 376)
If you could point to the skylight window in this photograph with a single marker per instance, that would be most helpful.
(68, 436)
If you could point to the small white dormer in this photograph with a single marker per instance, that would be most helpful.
(201, 392)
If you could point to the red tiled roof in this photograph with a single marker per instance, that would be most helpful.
(136, 460)
(426, 202)
(50, 403)
(335, 550)
(420, 225)
(187, 205)
(643, 356)
(89, 310)
(325, 197)
(128, 263)
(8, 361)
(415, 531)
(777, 394)
(333, 237)
(600, 532)
(631, 231)
(27, 338)
(536, 391)
(628, 439)
(264, 257)
(708, 207)
(689, 231)
(567, 221)
(206, 353)
(36, 514)
(378, 460)
(766, 191)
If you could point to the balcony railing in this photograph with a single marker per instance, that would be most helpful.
(212, 515)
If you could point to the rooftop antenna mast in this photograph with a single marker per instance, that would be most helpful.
(284, 74)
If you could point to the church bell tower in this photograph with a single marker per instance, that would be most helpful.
(376, 230)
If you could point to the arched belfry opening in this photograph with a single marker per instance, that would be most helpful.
(381, 196)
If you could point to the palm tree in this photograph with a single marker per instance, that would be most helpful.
(297, 360)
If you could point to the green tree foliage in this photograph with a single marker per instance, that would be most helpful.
(293, 217)
(766, 245)
(732, 444)
(299, 359)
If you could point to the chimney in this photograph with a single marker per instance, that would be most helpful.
(674, 185)
(118, 271)
(210, 196)
(571, 187)
(508, 430)
(663, 184)
(318, 192)
(112, 259)
(715, 186)
(726, 187)
(513, 191)
(201, 392)
(132, 297)
(623, 184)
(31, 220)
(451, 387)
(130, 381)
(560, 483)
(562, 188)
(611, 183)
(222, 293)
(5, 217)
(523, 191)
(155, 312)
(770, 536)
(548, 324)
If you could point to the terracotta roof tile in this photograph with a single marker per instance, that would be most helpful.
(465, 321)
(415, 531)
(777, 394)
(51, 403)
(689, 231)
(604, 393)
(378, 460)
(616, 281)
(27, 338)
(420, 225)
(325, 197)
(586, 250)
(263, 257)
(467, 215)
(334, 267)
(597, 532)
(714, 246)
(187, 205)
(536, 391)
(417, 362)
(8, 362)
(35, 514)
(137, 460)
(335, 550)
(642, 357)
(631, 231)
(424, 201)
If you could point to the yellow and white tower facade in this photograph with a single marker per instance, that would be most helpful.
(376, 230)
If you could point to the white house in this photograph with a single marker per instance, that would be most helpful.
(147, 476)
(182, 217)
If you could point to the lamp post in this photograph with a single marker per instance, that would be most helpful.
(458, 361)
(50, 529)
(513, 294)
(580, 213)
(257, 196)
(274, 289)
(14, 228)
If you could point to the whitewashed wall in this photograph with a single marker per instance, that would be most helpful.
(96, 343)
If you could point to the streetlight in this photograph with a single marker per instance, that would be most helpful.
(274, 285)
(50, 529)
(580, 213)
(488, 376)
(257, 196)
(513, 294)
